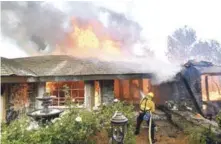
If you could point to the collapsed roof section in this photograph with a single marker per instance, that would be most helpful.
(204, 67)
(192, 75)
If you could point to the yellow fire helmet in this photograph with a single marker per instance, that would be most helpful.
(150, 94)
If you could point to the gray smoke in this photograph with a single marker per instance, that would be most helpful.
(40, 26)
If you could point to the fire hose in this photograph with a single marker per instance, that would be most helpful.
(150, 127)
(150, 121)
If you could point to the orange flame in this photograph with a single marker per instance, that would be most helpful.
(214, 88)
(20, 96)
(88, 40)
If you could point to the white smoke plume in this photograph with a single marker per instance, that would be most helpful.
(162, 71)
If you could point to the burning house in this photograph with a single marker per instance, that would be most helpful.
(204, 80)
(92, 82)
(88, 81)
(196, 86)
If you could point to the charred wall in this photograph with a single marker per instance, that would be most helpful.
(175, 92)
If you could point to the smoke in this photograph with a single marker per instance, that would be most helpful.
(162, 71)
(38, 27)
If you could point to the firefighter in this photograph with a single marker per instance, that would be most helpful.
(146, 106)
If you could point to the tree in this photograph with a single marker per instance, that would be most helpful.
(183, 46)
(207, 50)
(180, 44)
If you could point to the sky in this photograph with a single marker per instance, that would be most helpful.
(159, 18)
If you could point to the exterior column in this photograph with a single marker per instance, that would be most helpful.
(131, 91)
(3, 102)
(41, 89)
(97, 95)
(89, 94)
(107, 91)
(121, 90)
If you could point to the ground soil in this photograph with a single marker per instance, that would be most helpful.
(166, 134)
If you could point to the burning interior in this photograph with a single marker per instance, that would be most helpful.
(211, 93)
(192, 85)
(203, 92)
(125, 90)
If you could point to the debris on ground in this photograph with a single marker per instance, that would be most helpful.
(172, 127)
(166, 134)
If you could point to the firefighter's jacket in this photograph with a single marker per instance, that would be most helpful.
(147, 105)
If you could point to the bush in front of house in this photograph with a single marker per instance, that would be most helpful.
(74, 126)
(199, 135)
(218, 118)
(106, 113)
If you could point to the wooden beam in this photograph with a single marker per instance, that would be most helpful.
(140, 84)
(212, 74)
(121, 90)
(18, 79)
(130, 90)
(207, 88)
(101, 90)
(92, 77)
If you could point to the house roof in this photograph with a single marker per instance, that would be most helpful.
(204, 67)
(10, 67)
(62, 65)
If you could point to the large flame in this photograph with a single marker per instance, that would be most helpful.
(90, 39)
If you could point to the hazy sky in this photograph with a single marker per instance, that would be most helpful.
(159, 18)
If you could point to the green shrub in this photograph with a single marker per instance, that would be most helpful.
(65, 129)
(107, 112)
(218, 119)
(199, 135)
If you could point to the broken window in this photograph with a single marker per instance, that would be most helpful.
(211, 94)
(211, 88)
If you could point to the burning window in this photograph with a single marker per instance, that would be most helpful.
(130, 89)
(211, 88)
(63, 89)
